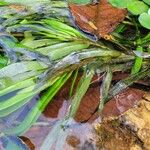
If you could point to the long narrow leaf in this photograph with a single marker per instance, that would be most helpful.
(33, 115)
(104, 89)
(81, 90)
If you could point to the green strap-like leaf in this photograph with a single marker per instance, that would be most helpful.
(104, 89)
(33, 115)
(83, 85)
(81, 2)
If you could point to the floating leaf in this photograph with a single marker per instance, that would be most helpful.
(144, 20)
(137, 7)
(147, 1)
(120, 3)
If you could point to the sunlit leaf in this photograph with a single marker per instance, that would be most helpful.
(144, 19)
(121, 4)
(137, 7)
(147, 2)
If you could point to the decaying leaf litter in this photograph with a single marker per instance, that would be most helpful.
(102, 19)
(30, 38)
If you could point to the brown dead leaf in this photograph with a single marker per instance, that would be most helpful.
(18, 8)
(84, 15)
(100, 19)
(108, 17)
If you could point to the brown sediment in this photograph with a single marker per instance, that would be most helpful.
(18, 8)
(122, 102)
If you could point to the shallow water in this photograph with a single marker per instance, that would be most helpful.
(53, 129)
(80, 134)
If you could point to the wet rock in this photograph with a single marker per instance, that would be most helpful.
(111, 135)
(73, 141)
(138, 120)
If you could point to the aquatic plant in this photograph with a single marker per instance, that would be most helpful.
(137, 8)
(39, 53)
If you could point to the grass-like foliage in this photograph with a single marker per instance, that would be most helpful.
(39, 53)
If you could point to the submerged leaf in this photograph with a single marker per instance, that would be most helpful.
(13, 143)
(138, 62)
(3, 61)
(35, 112)
(21, 67)
(123, 84)
(81, 90)
(104, 89)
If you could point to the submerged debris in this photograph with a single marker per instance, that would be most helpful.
(138, 120)
(130, 131)
(113, 136)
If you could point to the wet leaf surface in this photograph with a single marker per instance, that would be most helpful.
(138, 120)
(83, 14)
(90, 102)
(100, 19)
(87, 112)
(108, 18)
(132, 127)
